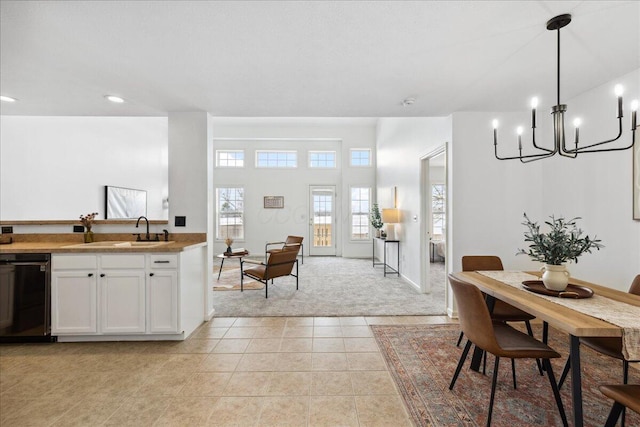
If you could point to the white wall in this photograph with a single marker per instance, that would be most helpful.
(57, 167)
(490, 196)
(401, 143)
(268, 225)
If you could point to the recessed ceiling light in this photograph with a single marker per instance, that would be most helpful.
(7, 98)
(114, 98)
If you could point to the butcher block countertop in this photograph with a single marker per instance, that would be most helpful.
(104, 243)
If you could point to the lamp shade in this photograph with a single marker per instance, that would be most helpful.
(391, 216)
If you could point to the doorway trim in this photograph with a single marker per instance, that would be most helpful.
(333, 248)
(425, 212)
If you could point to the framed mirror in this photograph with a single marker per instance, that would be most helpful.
(124, 203)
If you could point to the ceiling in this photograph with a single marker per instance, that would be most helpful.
(306, 58)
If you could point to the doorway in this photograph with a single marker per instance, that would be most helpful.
(433, 238)
(322, 226)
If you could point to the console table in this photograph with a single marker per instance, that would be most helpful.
(387, 268)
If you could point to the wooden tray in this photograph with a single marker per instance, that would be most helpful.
(572, 291)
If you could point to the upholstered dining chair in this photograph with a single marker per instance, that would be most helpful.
(624, 396)
(502, 311)
(610, 346)
(497, 338)
(292, 243)
(279, 264)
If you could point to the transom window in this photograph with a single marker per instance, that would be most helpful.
(276, 159)
(230, 158)
(230, 213)
(360, 157)
(360, 207)
(322, 159)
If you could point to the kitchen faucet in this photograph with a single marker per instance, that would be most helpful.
(147, 237)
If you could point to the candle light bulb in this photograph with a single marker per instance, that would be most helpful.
(634, 105)
(519, 130)
(534, 102)
(618, 89)
(577, 122)
(494, 123)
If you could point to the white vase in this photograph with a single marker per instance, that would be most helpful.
(555, 277)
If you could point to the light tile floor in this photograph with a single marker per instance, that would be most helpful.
(270, 371)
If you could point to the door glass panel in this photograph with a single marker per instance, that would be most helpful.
(322, 218)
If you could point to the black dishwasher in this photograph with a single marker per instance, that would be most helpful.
(25, 297)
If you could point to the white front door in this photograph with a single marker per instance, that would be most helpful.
(322, 225)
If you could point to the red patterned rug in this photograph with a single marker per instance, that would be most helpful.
(423, 358)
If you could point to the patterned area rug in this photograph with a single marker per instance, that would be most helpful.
(230, 280)
(422, 360)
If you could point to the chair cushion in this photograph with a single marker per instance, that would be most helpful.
(515, 344)
(507, 313)
(258, 271)
(627, 395)
(611, 346)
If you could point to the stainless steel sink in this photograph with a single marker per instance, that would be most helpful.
(116, 244)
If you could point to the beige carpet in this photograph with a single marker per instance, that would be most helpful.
(332, 286)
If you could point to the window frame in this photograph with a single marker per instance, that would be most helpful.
(353, 150)
(365, 215)
(287, 152)
(218, 234)
(219, 165)
(335, 159)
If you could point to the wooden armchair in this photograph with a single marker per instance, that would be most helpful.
(293, 243)
(279, 264)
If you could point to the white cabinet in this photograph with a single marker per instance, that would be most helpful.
(98, 294)
(122, 294)
(128, 296)
(74, 295)
(162, 293)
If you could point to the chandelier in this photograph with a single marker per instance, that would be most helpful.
(558, 111)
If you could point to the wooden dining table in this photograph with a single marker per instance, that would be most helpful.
(572, 322)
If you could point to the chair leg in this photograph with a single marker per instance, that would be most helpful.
(493, 390)
(484, 363)
(266, 288)
(530, 332)
(460, 339)
(556, 391)
(616, 409)
(513, 372)
(565, 372)
(463, 357)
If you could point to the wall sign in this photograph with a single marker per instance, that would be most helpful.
(273, 202)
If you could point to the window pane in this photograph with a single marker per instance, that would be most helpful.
(438, 203)
(276, 159)
(360, 205)
(361, 157)
(322, 159)
(230, 213)
(230, 158)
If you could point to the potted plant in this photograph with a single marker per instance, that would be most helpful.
(376, 219)
(562, 243)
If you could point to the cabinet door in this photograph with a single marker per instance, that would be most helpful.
(74, 302)
(122, 301)
(162, 291)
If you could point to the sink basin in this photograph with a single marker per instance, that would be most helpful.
(116, 244)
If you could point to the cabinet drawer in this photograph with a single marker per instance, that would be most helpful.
(122, 261)
(74, 262)
(163, 261)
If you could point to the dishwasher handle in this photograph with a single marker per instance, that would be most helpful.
(40, 263)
